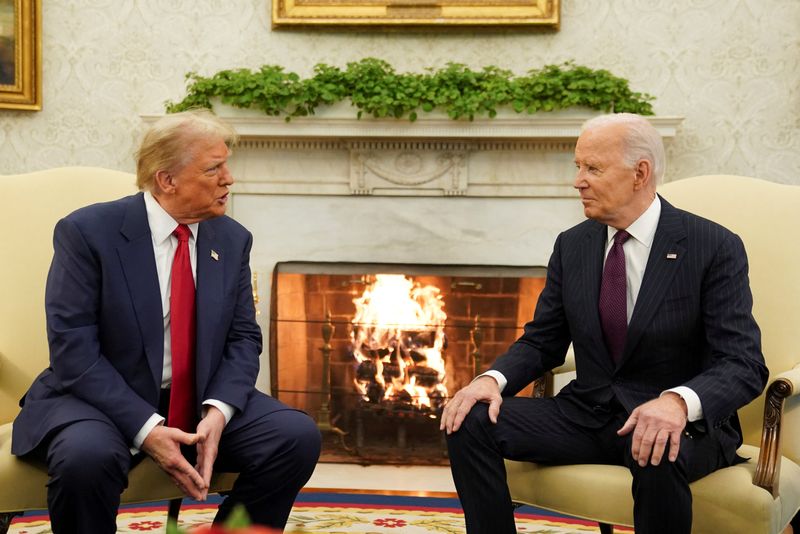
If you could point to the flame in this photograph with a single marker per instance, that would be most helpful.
(398, 330)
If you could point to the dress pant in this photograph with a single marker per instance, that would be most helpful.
(88, 462)
(535, 430)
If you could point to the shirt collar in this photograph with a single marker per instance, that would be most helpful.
(643, 229)
(161, 223)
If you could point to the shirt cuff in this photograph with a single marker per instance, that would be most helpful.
(694, 408)
(497, 375)
(140, 436)
(226, 409)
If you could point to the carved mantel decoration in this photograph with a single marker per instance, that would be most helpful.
(424, 166)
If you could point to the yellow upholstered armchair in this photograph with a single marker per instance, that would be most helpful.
(34, 203)
(763, 494)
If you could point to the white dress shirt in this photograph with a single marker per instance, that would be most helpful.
(637, 251)
(162, 225)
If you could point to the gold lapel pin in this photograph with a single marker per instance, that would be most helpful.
(672, 256)
(214, 255)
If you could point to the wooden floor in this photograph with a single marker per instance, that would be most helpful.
(407, 480)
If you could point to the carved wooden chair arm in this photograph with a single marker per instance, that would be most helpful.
(768, 468)
(543, 386)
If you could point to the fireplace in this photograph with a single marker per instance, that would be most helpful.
(373, 351)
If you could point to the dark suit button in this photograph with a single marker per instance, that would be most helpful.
(600, 409)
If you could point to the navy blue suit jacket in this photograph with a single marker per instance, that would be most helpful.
(692, 325)
(106, 332)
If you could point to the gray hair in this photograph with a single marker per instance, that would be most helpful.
(641, 141)
(166, 144)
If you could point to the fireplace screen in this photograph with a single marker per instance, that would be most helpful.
(373, 352)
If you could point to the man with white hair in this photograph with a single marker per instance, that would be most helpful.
(657, 305)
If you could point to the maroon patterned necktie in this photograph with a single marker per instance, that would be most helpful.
(613, 304)
(182, 336)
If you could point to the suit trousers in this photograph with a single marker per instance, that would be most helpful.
(535, 430)
(274, 454)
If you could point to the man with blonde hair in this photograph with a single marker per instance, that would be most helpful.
(154, 347)
(657, 306)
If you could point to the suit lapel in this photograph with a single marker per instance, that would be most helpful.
(210, 287)
(139, 268)
(666, 255)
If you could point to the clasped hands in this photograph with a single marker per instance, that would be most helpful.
(654, 423)
(163, 445)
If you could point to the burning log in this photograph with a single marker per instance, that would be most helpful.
(366, 371)
(404, 398)
(390, 371)
(375, 392)
(426, 377)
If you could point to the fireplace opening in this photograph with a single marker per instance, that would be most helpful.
(372, 352)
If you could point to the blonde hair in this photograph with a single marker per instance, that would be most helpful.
(167, 143)
(641, 141)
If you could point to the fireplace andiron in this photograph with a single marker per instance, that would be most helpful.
(324, 414)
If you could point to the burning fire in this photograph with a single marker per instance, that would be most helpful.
(397, 339)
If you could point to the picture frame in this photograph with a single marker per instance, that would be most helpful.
(410, 13)
(20, 54)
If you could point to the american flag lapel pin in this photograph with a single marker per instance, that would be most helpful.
(672, 256)
(214, 255)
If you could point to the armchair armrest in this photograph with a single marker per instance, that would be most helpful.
(568, 365)
(768, 468)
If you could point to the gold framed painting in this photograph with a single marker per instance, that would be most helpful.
(20, 54)
(288, 13)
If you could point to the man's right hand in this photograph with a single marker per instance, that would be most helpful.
(163, 445)
(482, 389)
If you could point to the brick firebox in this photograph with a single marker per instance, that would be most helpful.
(502, 299)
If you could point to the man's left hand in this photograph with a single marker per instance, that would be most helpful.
(654, 424)
(210, 430)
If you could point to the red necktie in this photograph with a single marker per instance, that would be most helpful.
(182, 335)
(613, 304)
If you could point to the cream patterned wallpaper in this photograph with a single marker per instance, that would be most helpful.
(730, 67)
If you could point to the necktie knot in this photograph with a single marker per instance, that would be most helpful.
(620, 237)
(182, 232)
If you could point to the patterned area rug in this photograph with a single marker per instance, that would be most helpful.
(339, 513)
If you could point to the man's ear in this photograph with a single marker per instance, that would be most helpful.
(165, 182)
(643, 174)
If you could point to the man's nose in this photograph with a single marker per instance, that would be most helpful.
(227, 176)
(579, 182)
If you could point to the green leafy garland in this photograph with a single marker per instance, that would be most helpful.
(373, 86)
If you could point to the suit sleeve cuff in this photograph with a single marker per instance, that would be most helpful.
(226, 409)
(693, 406)
(140, 436)
(497, 375)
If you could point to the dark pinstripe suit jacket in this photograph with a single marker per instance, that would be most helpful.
(692, 325)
